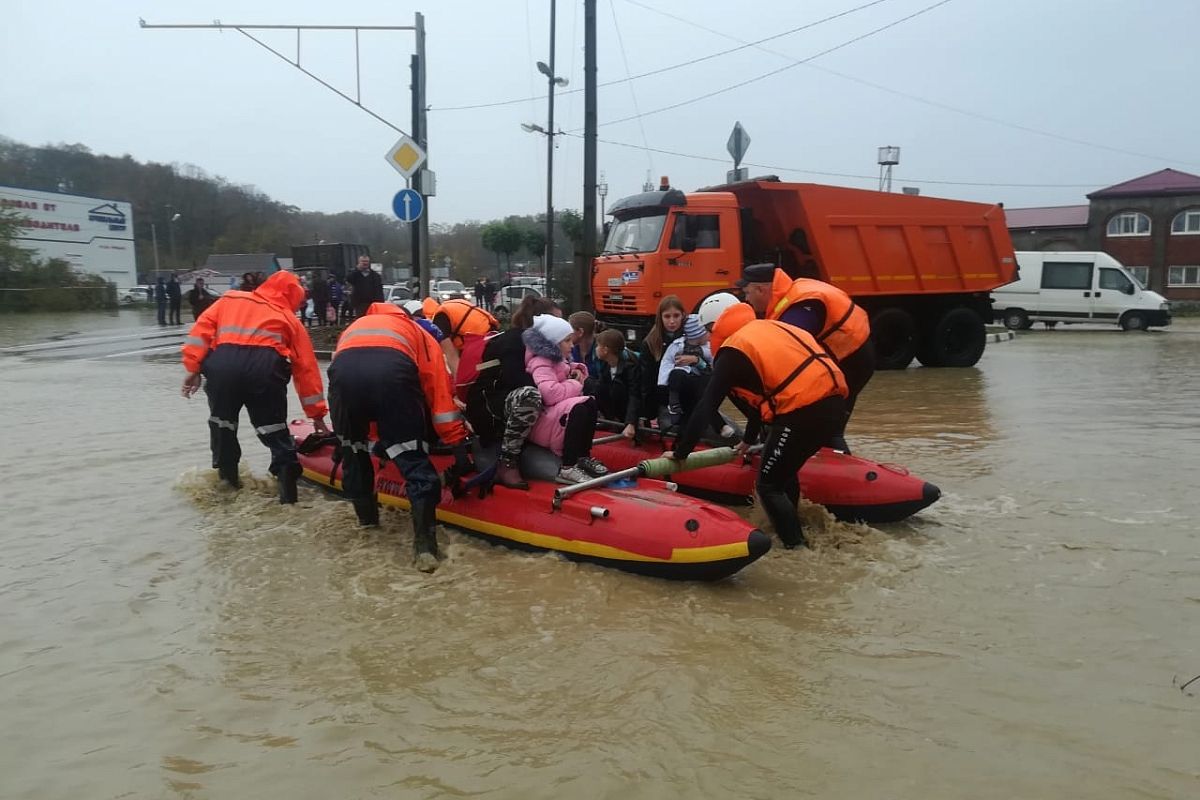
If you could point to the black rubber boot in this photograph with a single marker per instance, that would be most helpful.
(784, 518)
(229, 474)
(838, 442)
(509, 474)
(367, 509)
(425, 546)
(288, 475)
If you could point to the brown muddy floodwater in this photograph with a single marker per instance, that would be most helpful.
(1025, 637)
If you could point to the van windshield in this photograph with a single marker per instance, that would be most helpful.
(636, 234)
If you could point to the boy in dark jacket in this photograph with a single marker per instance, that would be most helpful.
(618, 392)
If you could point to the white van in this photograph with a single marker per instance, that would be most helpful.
(1077, 287)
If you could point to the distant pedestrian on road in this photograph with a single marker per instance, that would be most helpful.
(199, 298)
(174, 299)
(480, 293)
(320, 298)
(489, 294)
(249, 282)
(366, 285)
(160, 299)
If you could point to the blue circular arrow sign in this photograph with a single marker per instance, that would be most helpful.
(408, 205)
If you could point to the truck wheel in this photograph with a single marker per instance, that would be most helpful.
(1016, 320)
(1133, 321)
(895, 336)
(958, 338)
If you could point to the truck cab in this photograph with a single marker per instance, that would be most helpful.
(663, 243)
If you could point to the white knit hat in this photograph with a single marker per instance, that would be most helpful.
(553, 329)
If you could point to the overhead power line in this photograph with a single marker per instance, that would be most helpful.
(784, 68)
(824, 173)
(914, 97)
(680, 65)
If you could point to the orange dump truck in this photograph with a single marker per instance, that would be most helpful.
(922, 267)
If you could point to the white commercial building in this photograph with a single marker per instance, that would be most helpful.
(92, 234)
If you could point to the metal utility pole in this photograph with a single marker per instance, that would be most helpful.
(414, 228)
(550, 165)
(421, 134)
(154, 237)
(583, 269)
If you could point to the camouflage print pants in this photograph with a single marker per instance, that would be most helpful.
(521, 410)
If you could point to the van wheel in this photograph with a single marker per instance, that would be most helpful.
(1133, 321)
(895, 336)
(958, 339)
(1016, 320)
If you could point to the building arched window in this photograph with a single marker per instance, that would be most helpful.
(1129, 223)
(1186, 221)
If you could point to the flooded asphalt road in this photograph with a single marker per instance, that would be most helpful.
(1025, 637)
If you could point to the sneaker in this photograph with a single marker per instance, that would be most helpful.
(675, 410)
(592, 467)
(572, 475)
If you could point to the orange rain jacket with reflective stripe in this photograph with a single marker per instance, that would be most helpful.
(265, 317)
(847, 326)
(795, 370)
(466, 319)
(384, 325)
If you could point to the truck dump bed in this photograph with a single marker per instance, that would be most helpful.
(874, 243)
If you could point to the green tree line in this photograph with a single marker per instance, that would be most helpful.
(218, 216)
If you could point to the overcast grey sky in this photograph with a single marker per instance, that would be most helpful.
(1114, 73)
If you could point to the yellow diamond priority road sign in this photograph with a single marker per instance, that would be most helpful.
(406, 157)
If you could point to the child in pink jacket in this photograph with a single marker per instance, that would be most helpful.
(568, 421)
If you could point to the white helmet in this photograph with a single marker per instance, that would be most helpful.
(414, 308)
(714, 306)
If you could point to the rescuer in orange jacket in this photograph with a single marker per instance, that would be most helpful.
(460, 318)
(390, 371)
(247, 345)
(828, 314)
(781, 378)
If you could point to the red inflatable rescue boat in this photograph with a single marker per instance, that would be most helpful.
(637, 526)
(853, 489)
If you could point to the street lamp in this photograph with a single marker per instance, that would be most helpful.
(174, 218)
(551, 80)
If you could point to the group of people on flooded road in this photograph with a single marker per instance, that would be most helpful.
(791, 354)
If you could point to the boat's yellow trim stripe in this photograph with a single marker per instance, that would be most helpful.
(688, 555)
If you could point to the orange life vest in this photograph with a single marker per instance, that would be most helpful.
(795, 370)
(464, 319)
(847, 326)
(384, 325)
(265, 317)
(430, 307)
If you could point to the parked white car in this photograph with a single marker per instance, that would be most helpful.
(397, 294)
(509, 297)
(1071, 287)
(450, 290)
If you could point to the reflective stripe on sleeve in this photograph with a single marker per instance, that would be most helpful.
(448, 416)
(312, 398)
(249, 332)
(196, 340)
(403, 447)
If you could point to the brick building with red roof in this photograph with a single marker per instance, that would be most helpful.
(1150, 224)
